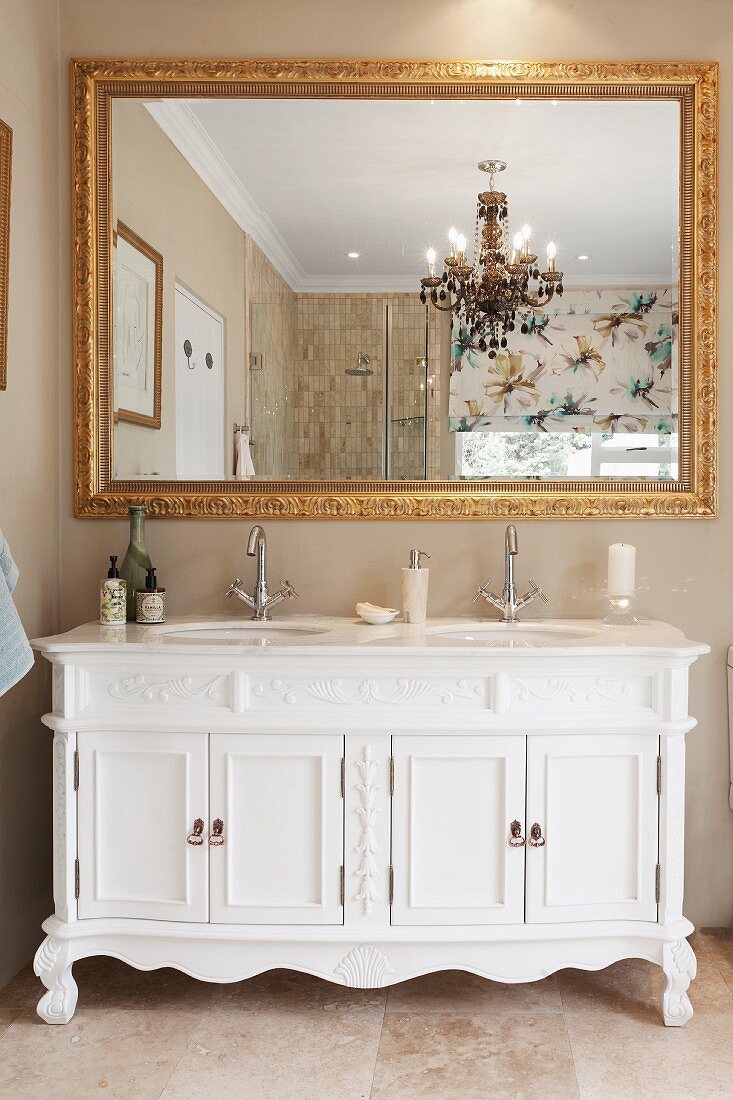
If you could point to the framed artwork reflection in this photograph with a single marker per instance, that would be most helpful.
(6, 153)
(138, 337)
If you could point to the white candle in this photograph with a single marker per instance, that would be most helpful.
(621, 569)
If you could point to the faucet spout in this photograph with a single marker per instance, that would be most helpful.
(510, 540)
(256, 537)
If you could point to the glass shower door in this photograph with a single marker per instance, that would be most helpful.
(407, 375)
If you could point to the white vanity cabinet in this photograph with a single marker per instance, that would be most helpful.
(368, 807)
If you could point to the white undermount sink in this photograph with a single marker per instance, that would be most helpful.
(508, 635)
(248, 633)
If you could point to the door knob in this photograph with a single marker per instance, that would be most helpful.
(195, 838)
(516, 840)
(536, 838)
(216, 838)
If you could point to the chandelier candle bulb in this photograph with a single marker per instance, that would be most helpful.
(517, 247)
(461, 247)
(453, 237)
(551, 254)
(431, 256)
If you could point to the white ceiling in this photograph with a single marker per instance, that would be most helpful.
(314, 179)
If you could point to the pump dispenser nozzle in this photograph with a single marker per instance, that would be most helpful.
(415, 556)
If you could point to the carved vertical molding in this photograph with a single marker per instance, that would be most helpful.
(64, 825)
(367, 822)
(672, 829)
(367, 847)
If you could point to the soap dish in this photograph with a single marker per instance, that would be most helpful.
(375, 615)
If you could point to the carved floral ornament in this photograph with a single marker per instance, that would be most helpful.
(693, 84)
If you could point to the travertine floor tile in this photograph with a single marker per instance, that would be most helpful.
(719, 947)
(312, 1054)
(122, 1052)
(633, 985)
(445, 1056)
(23, 991)
(634, 1057)
(288, 991)
(458, 991)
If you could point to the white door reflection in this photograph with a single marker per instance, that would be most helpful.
(199, 341)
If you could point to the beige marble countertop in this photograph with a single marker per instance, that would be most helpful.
(314, 634)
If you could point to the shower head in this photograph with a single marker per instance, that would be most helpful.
(362, 368)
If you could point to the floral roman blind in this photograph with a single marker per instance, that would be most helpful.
(597, 360)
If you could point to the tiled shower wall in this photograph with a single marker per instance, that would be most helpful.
(310, 418)
(271, 323)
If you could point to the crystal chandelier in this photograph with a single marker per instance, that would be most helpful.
(489, 296)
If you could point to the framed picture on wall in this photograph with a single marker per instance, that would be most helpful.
(6, 152)
(138, 304)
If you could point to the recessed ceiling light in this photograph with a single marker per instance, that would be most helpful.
(353, 255)
(583, 257)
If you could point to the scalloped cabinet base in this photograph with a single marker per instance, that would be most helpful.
(368, 815)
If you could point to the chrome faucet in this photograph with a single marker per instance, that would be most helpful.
(261, 601)
(508, 603)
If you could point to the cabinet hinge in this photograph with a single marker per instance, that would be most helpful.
(76, 769)
(391, 775)
(658, 884)
(391, 884)
(341, 883)
(343, 776)
(76, 878)
(659, 775)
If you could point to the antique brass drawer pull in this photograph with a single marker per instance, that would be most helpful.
(536, 838)
(216, 839)
(516, 840)
(195, 838)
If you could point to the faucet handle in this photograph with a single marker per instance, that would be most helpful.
(481, 591)
(236, 583)
(287, 589)
(535, 590)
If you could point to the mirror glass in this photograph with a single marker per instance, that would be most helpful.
(268, 262)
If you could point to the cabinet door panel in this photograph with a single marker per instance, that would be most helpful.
(595, 797)
(139, 794)
(454, 800)
(280, 800)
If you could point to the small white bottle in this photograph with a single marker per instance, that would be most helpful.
(415, 581)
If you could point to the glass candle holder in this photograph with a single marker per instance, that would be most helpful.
(620, 611)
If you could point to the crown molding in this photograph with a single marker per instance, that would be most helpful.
(180, 125)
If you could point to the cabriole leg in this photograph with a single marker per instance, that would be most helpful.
(53, 967)
(680, 967)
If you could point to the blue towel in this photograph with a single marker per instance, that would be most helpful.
(16, 656)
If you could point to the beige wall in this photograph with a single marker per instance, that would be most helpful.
(159, 196)
(28, 463)
(685, 566)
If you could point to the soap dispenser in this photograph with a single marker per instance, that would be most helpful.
(415, 589)
(113, 596)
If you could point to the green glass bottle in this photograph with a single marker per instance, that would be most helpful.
(137, 560)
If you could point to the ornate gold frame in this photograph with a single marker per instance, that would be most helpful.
(6, 156)
(156, 259)
(693, 84)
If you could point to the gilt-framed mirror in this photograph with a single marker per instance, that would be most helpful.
(395, 288)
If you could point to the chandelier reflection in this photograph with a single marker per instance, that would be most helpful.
(503, 285)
